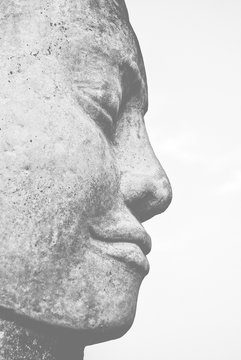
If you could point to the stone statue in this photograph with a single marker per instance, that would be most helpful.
(78, 176)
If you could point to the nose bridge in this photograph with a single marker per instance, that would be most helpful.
(144, 183)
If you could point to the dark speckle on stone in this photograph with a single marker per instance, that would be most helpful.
(35, 54)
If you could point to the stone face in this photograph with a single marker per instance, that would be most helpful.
(77, 172)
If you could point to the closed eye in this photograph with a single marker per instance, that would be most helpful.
(101, 103)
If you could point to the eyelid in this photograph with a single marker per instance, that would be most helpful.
(96, 112)
(106, 92)
(102, 103)
(111, 107)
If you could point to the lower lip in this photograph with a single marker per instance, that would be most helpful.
(128, 253)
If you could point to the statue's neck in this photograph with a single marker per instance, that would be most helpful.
(18, 343)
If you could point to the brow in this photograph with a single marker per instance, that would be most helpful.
(122, 4)
(134, 83)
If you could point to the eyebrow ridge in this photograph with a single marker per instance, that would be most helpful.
(137, 85)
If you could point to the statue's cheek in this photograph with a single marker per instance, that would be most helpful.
(90, 168)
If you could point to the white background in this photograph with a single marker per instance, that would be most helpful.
(190, 304)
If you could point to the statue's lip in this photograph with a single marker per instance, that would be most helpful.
(128, 253)
(121, 231)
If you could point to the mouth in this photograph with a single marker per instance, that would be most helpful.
(128, 244)
(128, 253)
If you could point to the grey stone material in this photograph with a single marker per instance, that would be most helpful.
(18, 342)
(78, 176)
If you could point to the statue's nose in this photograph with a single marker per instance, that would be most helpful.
(144, 183)
(146, 193)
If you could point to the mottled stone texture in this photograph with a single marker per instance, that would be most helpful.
(77, 172)
(18, 343)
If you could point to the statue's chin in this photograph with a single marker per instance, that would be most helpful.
(95, 299)
(105, 331)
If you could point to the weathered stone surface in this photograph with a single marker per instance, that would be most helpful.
(77, 171)
(18, 343)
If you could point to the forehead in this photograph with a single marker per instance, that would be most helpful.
(93, 38)
(101, 28)
(114, 5)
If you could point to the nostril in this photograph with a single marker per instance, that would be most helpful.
(149, 198)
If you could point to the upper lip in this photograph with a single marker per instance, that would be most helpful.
(121, 229)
